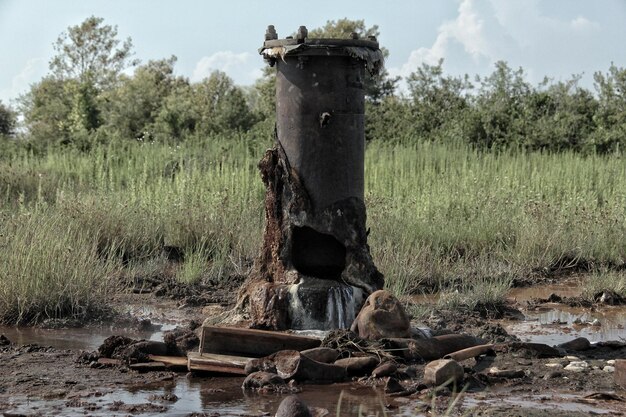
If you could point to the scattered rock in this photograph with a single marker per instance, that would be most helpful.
(386, 369)
(534, 350)
(291, 364)
(553, 374)
(170, 398)
(554, 365)
(443, 371)
(293, 406)
(578, 345)
(609, 369)
(266, 381)
(112, 345)
(321, 354)
(4, 341)
(610, 362)
(260, 364)
(182, 340)
(392, 385)
(577, 366)
(358, 366)
(572, 358)
(506, 373)
(382, 316)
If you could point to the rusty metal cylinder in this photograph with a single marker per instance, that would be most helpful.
(320, 124)
(320, 107)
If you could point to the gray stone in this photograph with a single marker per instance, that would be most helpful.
(321, 354)
(386, 369)
(264, 380)
(382, 316)
(579, 344)
(506, 373)
(443, 371)
(358, 366)
(392, 385)
(293, 406)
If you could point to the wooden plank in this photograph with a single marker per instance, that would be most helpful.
(147, 366)
(212, 362)
(170, 361)
(109, 362)
(251, 342)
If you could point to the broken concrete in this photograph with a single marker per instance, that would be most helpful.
(382, 316)
(443, 371)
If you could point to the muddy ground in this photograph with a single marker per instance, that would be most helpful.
(52, 380)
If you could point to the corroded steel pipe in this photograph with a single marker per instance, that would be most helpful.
(320, 107)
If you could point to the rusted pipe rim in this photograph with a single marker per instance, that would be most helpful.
(355, 43)
(366, 51)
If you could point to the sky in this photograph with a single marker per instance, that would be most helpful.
(554, 38)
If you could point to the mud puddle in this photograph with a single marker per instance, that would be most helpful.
(555, 402)
(157, 319)
(80, 338)
(216, 396)
(554, 323)
(224, 397)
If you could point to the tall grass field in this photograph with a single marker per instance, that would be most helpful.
(74, 226)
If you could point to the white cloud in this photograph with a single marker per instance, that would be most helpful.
(30, 73)
(238, 66)
(468, 32)
(519, 32)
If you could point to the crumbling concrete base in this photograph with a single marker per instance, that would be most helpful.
(315, 269)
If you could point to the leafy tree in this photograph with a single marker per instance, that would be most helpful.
(7, 120)
(211, 106)
(131, 109)
(497, 115)
(46, 109)
(67, 105)
(91, 53)
(611, 116)
(437, 100)
(559, 116)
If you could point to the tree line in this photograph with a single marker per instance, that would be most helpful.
(89, 97)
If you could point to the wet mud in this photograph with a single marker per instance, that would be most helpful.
(42, 373)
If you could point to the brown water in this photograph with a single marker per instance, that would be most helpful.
(553, 323)
(550, 323)
(225, 397)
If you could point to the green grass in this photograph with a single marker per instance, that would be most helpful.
(611, 282)
(51, 269)
(442, 217)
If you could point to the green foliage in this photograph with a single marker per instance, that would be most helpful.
(438, 101)
(46, 109)
(50, 268)
(133, 107)
(8, 119)
(442, 216)
(214, 105)
(91, 53)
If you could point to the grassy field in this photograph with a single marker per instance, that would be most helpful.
(75, 226)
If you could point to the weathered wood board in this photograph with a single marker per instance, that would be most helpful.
(170, 361)
(212, 362)
(251, 342)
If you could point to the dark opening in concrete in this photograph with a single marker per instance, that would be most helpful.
(317, 254)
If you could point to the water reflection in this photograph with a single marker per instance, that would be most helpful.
(78, 338)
